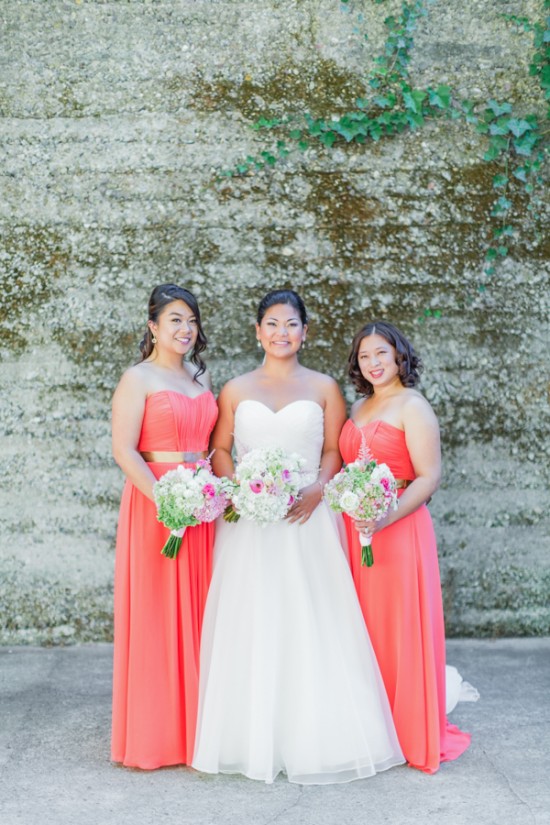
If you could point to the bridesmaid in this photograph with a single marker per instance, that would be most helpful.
(401, 594)
(163, 413)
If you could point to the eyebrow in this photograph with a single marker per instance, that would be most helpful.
(174, 314)
(292, 318)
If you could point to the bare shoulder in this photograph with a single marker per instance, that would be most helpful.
(134, 379)
(324, 383)
(236, 389)
(417, 408)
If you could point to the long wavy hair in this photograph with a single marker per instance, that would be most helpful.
(161, 296)
(408, 362)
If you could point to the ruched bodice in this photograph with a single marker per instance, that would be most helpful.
(296, 428)
(386, 444)
(173, 421)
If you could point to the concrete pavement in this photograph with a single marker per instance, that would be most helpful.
(55, 769)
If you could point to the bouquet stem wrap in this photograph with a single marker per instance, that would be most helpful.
(367, 559)
(172, 546)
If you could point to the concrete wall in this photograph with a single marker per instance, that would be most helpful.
(116, 117)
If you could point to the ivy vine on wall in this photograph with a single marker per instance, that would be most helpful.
(392, 104)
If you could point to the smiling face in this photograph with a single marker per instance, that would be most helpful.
(281, 332)
(377, 361)
(177, 328)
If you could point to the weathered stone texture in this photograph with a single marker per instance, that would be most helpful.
(116, 119)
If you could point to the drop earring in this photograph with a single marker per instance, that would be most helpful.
(303, 343)
(153, 338)
(258, 344)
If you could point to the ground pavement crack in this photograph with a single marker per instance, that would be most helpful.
(288, 808)
(513, 791)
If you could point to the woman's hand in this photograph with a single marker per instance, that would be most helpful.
(368, 528)
(308, 499)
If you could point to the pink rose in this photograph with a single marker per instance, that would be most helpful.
(291, 501)
(286, 475)
(257, 486)
(209, 490)
(385, 483)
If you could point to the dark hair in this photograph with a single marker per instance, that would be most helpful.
(166, 294)
(282, 296)
(410, 365)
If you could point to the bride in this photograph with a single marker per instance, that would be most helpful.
(288, 679)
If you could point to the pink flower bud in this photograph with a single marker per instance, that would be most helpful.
(209, 490)
(257, 486)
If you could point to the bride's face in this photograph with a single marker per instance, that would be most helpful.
(281, 332)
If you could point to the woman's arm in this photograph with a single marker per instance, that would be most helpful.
(331, 460)
(422, 439)
(221, 440)
(128, 409)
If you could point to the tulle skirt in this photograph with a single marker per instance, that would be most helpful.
(289, 682)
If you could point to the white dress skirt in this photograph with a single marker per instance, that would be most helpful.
(289, 682)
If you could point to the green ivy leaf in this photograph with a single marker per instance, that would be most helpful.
(499, 180)
(500, 127)
(413, 99)
(328, 138)
(441, 97)
(518, 127)
(524, 145)
(385, 101)
(499, 108)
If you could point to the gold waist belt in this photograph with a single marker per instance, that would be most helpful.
(173, 458)
(401, 483)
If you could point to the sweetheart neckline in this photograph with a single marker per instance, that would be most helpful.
(375, 421)
(182, 394)
(286, 406)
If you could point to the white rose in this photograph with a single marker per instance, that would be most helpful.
(349, 501)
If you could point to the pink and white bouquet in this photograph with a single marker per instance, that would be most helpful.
(366, 491)
(266, 485)
(186, 497)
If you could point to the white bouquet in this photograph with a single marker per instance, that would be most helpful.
(364, 490)
(266, 485)
(186, 497)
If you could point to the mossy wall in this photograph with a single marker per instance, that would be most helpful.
(115, 119)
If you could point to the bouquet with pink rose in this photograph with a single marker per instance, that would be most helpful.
(186, 497)
(365, 491)
(266, 485)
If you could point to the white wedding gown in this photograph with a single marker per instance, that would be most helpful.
(289, 681)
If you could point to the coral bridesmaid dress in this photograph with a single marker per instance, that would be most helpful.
(401, 601)
(159, 602)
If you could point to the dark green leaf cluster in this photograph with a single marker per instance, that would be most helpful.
(393, 105)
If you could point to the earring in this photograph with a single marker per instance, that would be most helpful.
(153, 338)
(303, 343)
(258, 344)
